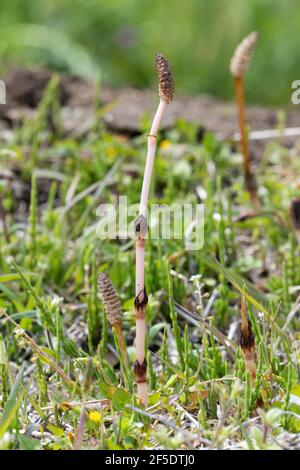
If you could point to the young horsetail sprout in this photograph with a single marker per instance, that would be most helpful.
(247, 342)
(113, 310)
(238, 67)
(165, 90)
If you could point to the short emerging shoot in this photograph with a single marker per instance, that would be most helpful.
(247, 341)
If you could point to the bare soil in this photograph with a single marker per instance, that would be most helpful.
(127, 106)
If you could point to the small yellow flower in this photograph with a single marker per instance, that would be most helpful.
(95, 417)
(165, 144)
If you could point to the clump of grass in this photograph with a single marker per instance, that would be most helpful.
(165, 90)
(238, 67)
(25, 339)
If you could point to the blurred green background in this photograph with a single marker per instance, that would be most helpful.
(118, 39)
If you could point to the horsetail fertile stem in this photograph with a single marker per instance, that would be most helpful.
(238, 67)
(247, 341)
(166, 89)
(113, 311)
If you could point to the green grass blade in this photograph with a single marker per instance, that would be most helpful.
(13, 403)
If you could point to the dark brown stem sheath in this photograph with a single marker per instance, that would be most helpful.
(247, 341)
(249, 177)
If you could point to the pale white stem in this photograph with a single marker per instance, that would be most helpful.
(143, 392)
(140, 339)
(139, 265)
(140, 249)
(150, 156)
(140, 246)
